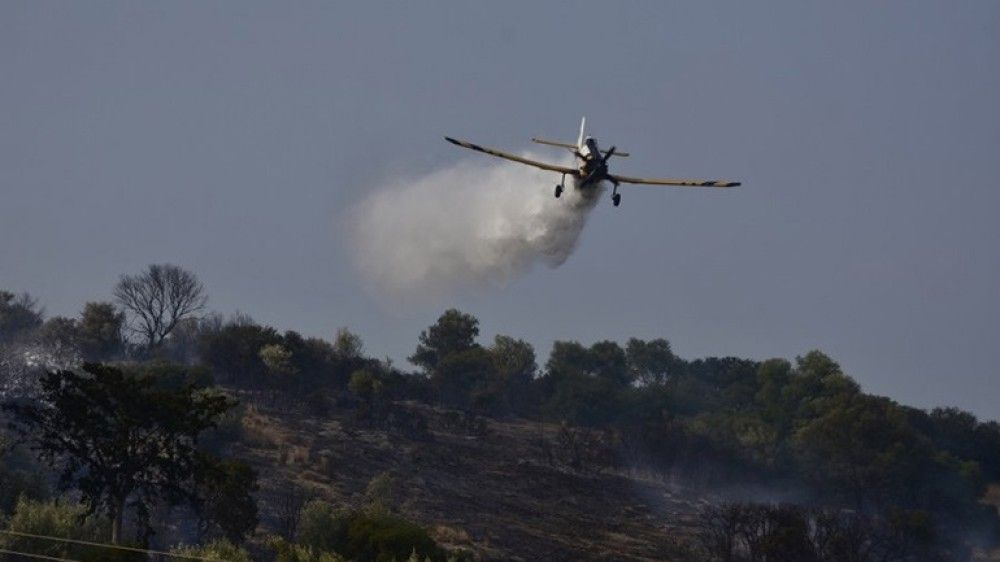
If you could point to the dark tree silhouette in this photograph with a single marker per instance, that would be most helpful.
(117, 437)
(224, 502)
(158, 299)
(651, 362)
(18, 314)
(101, 331)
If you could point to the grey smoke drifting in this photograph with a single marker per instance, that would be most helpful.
(478, 223)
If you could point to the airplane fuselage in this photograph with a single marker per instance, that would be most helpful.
(593, 168)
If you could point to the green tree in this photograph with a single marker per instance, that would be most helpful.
(773, 377)
(963, 435)
(955, 431)
(101, 331)
(20, 476)
(515, 368)
(651, 362)
(225, 501)
(233, 352)
(59, 338)
(383, 493)
(368, 387)
(454, 332)
(278, 360)
(584, 399)
(19, 314)
(585, 385)
(816, 364)
(117, 437)
(788, 397)
(567, 358)
(463, 379)
(863, 451)
(318, 364)
(348, 345)
(818, 384)
(607, 361)
(321, 527)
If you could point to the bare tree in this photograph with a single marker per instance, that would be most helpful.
(158, 298)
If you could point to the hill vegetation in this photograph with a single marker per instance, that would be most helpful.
(150, 423)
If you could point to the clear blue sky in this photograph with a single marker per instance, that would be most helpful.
(231, 138)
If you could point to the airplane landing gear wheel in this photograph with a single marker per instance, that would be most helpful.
(616, 199)
(559, 190)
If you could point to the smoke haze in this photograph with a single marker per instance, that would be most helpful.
(472, 225)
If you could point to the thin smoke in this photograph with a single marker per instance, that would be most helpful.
(475, 224)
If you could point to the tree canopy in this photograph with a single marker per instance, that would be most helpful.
(18, 314)
(117, 437)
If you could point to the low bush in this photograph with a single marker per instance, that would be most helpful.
(63, 520)
(219, 550)
(364, 535)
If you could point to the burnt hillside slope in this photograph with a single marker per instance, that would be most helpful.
(502, 489)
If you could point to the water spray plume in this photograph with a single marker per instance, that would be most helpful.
(471, 225)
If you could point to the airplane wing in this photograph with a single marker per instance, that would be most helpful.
(508, 156)
(681, 183)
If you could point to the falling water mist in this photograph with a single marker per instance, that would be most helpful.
(472, 225)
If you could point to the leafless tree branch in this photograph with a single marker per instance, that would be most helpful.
(158, 298)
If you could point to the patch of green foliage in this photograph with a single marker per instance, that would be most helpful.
(220, 549)
(20, 476)
(368, 535)
(65, 520)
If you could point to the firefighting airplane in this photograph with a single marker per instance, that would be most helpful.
(593, 166)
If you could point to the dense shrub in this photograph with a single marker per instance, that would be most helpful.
(364, 535)
(380, 537)
(321, 526)
(20, 477)
(59, 519)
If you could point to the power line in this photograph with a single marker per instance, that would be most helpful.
(107, 545)
(36, 556)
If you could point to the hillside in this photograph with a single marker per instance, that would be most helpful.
(605, 452)
(494, 493)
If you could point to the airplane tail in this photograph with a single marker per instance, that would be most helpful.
(578, 147)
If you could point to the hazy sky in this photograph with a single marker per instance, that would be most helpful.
(232, 138)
